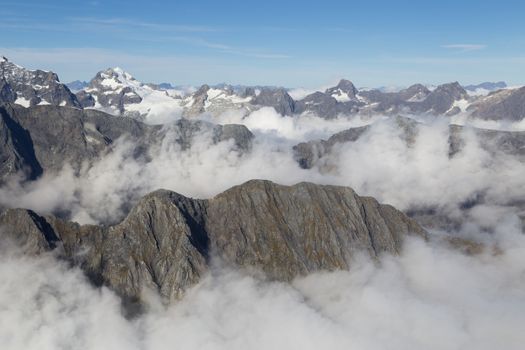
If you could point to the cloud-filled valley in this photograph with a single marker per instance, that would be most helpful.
(437, 154)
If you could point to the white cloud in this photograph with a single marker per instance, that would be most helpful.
(430, 297)
(465, 47)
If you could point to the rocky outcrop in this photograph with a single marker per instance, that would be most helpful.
(276, 98)
(441, 100)
(197, 104)
(307, 154)
(167, 241)
(45, 138)
(501, 105)
(32, 87)
(394, 102)
(343, 91)
(511, 143)
(112, 90)
(496, 142)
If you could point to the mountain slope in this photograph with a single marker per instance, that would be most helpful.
(45, 138)
(167, 241)
(32, 87)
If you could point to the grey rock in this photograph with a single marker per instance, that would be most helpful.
(416, 99)
(343, 87)
(86, 100)
(35, 86)
(325, 106)
(198, 102)
(496, 142)
(501, 105)
(161, 86)
(276, 98)
(167, 241)
(45, 138)
(441, 100)
(394, 102)
(307, 154)
(17, 154)
(247, 92)
(114, 96)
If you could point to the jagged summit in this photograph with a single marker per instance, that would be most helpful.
(118, 92)
(167, 239)
(32, 87)
(344, 91)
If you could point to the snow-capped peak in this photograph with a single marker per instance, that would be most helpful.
(115, 79)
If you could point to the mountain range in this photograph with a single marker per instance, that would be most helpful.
(167, 241)
(118, 93)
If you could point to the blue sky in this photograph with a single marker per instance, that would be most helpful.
(288, 43)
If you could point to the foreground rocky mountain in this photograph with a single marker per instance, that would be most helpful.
(45, 138)
(117, 92)
(168, 241)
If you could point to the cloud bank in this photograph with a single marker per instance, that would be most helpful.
(430, 297)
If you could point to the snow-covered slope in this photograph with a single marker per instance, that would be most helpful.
(117, 92)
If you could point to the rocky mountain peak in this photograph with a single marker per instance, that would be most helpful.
(276, 98)
(202, 90)
(33, 87)
(344, 91)
(453, 89)
(166, 241)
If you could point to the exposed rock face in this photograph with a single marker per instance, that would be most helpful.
(441, 100)
(512, 143)
(167, 240)
(112, 89)
(394, 102)
(117, 92)
(276, 98)
(335, 101)
(197, 105)
(308, 153)
(343, 91)
(501, 105)
(494, 141)
(85, 99)
(32, 87)
(45, 138)
(326, 106)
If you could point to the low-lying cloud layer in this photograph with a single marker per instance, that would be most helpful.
(430, 297)
(379, 164)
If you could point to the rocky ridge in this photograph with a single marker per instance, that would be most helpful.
(45, 138)
(32, 87)
(117, 92)
(168, 242)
